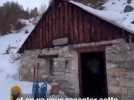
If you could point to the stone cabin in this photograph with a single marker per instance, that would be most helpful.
(90, 56)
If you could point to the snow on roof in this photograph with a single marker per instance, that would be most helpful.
(122, 20)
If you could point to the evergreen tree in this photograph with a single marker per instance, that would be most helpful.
(10, 13)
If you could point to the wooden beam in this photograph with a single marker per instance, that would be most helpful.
(47, 56)
(94, 44)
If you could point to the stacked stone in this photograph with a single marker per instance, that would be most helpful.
(65, 68)
(120, 71)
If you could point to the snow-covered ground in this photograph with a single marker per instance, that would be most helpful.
(15, 40)
(7, 83)
(8, 65)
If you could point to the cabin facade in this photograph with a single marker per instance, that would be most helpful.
(70, 44)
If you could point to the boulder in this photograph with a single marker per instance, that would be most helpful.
(128, 8)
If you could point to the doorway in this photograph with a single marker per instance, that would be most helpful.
(93, 75)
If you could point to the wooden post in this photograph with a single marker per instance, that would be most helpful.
(36, 72)
(51, 66)
(38, 65)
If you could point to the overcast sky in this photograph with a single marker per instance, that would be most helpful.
(28, 3)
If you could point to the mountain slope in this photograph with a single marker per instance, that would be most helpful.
(9, 66)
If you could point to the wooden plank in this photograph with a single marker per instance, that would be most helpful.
(92, 44)
(47, 56)
(50, 29)
(40, 36)
(75, 24)
(44, 32)
(70, 23)
(43, 36)
(65, 22)
(85, 26)
(62, 11)
(57, 23)
(81, 36)
(60, 41)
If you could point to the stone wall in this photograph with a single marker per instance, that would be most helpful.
(120, 70)
(65, 68)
